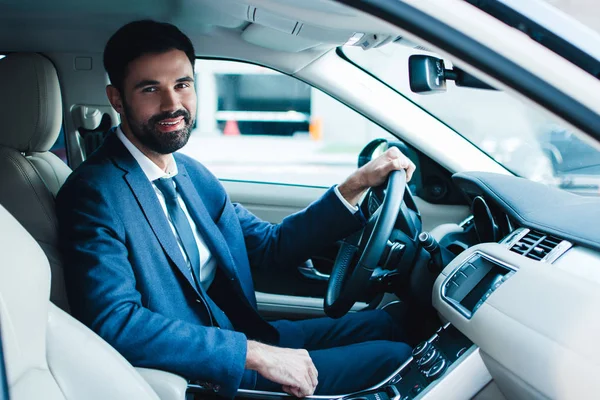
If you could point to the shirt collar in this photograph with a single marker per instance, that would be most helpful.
(151, 170)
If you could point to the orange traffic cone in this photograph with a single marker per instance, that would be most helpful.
(231, 129)
(315, 128)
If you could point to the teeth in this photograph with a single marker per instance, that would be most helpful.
(169, 123)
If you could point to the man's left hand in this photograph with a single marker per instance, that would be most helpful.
(374, 173)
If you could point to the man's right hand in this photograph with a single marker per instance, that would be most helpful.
(292, 368)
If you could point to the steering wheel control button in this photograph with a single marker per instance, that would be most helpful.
(421, 349)
(436, 370)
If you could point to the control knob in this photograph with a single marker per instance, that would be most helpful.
(421, 349)
(436, 370)
(428, 359)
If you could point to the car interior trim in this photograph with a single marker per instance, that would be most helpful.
(514, 195)
(488, 61)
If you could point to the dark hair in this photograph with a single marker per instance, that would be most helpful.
(140, 38)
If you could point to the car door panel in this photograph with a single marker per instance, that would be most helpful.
(270, 201)
(286, 293)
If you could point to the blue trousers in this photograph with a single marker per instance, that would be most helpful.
(352, 353)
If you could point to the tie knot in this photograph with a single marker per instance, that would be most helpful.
(166, 186)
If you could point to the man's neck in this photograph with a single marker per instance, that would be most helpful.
(161, 160)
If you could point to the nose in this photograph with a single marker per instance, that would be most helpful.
(170, 101)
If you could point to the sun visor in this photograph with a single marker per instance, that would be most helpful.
(276, 39)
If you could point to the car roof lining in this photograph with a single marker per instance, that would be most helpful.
(76, 26)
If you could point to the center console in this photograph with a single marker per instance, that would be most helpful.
(448, 362)
(431, 361)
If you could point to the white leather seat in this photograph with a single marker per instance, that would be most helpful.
(49, 354)
(31, 115)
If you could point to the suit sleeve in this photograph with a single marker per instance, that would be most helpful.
(102, 294)
(300, 235)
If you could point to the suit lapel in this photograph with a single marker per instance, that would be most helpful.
(211, 234)
(146, 197)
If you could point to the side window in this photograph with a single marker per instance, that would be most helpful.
(255, 124)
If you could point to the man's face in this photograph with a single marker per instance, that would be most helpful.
(159, 100)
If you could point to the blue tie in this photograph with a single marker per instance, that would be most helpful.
(184, 230)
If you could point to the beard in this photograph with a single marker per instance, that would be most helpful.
(155, 140)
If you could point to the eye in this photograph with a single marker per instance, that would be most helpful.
(149, 89)
(182, 85)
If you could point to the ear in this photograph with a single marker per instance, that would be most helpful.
(114, 96)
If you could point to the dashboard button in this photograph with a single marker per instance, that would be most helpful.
(459, 278)
(450, 288)
(474, 261)
(467, 269)
(417, 389)
(479, 262)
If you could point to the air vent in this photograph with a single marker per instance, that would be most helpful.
(536, 245)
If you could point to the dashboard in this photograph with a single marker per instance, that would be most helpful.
(528, 294)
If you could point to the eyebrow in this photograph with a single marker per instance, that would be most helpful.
(185, 79)
(145, 82)
(149, 82)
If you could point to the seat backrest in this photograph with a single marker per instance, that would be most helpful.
(49, 354)
(31, 115)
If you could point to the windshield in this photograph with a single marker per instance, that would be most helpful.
(585, 11)
(522, 137)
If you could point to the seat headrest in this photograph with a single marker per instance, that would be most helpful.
(30, 103)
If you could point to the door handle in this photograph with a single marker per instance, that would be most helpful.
(309, 271)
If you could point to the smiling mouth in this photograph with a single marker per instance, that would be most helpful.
(170, 121)
(171, 124)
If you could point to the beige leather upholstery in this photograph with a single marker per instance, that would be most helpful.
(31, 114)
(49, 354)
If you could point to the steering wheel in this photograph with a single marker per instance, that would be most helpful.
(350, 278)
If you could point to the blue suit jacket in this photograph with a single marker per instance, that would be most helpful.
(127, 279)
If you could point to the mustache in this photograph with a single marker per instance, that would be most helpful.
(168, 115)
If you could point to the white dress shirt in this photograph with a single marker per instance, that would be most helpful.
(153, 172)
(207, 262)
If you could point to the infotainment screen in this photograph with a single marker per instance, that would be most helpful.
(489, 280)
(473, 282)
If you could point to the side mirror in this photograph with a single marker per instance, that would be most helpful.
(377, 147)
(428, 74)
(373, 149)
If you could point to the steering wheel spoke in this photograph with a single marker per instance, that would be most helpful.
(357, 259)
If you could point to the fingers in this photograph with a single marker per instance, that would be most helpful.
(299, 391)
(310, 379)
(314, 374)
(398, 161)
(294, 391)
(292, 368)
